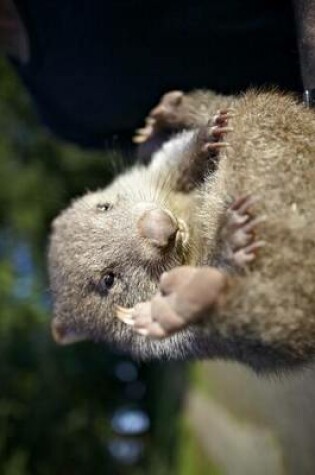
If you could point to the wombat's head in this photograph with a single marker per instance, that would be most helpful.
(110, 247)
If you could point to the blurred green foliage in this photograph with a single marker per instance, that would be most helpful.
(55, 404)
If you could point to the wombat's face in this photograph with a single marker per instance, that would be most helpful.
(107, 249)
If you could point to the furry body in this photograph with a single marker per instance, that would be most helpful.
(268, 316)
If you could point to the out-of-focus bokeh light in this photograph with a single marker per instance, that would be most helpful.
(126, 371)
(126, 451)
(129, 421)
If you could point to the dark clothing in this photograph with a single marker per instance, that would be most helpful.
(97, 66)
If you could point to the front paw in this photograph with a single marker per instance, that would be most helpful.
(186, 295)
(210, 138)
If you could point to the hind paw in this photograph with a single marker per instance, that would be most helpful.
(167, 115)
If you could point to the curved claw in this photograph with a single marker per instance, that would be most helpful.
(254, 246)
(144, 133)
(214, 146)
(125, 315)
(124, 310)
(142, 331)
(226, 110)
(218, 131)
(247, 254)
(244, 203)
(131, 317)
(139, 139)
(251, 225)
(222, 116)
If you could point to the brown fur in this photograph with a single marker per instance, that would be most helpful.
(268, 318)
(272, 154)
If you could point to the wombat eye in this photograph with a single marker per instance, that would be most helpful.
(107, 281)
(103, 206)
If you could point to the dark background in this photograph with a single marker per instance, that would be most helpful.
(97, 66)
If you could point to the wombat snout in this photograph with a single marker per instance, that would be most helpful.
(158, 226)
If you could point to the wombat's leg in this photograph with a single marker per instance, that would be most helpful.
(187, 295)
(168, 115)
(175, 111)
(237, 245)
(202, 153)
(209, 138)
(188, 158)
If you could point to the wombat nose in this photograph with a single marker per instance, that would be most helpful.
(158, 227)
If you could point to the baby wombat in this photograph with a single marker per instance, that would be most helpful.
(191, 207)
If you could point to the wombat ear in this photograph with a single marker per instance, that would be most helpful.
(64, 335)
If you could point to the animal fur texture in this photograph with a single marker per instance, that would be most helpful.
(266, 316)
